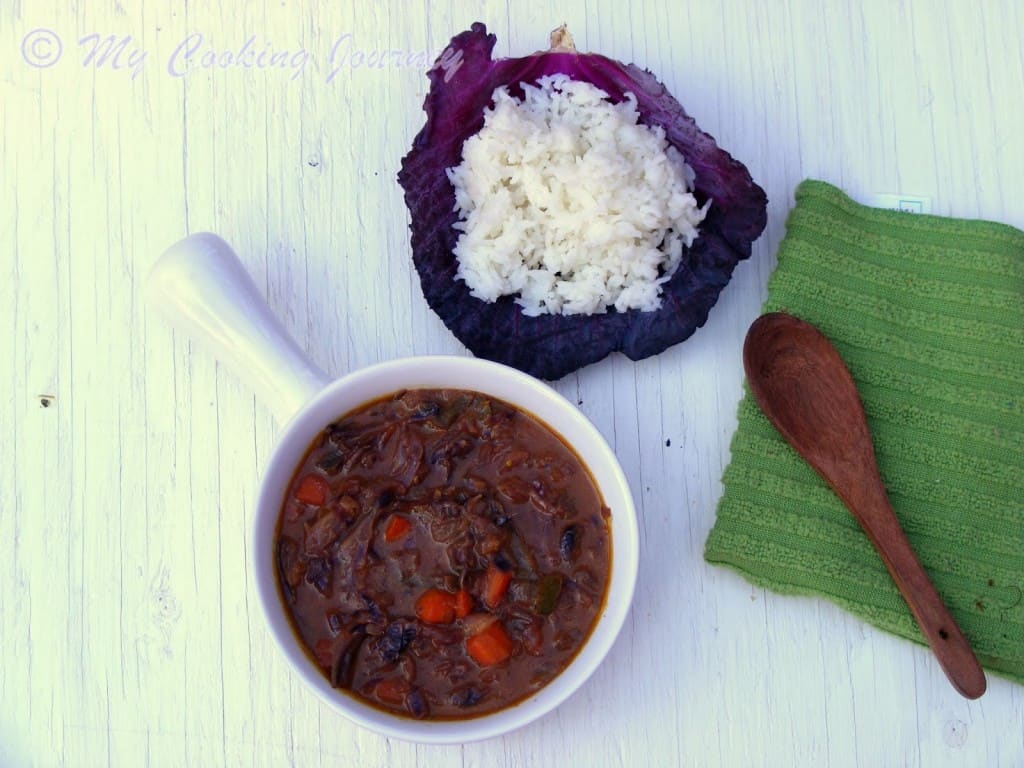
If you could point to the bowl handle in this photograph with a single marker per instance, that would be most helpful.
(201, 287)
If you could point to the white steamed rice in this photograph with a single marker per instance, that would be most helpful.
(567, 201)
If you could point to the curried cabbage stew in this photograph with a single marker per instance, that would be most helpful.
(442, 554)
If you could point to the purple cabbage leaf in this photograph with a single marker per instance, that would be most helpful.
(552, 346)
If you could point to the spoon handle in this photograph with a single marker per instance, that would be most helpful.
(951, 649)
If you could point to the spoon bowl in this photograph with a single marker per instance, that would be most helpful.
(803, 386)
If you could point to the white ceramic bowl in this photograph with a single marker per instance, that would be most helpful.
(201, 286)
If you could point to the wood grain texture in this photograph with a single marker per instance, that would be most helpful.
(129, 625)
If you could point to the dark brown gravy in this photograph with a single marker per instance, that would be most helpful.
(442, 554)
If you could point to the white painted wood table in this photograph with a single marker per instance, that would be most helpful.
(129, 629)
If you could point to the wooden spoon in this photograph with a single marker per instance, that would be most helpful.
(804, 388)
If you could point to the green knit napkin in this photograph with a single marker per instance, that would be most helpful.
(928, 313)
